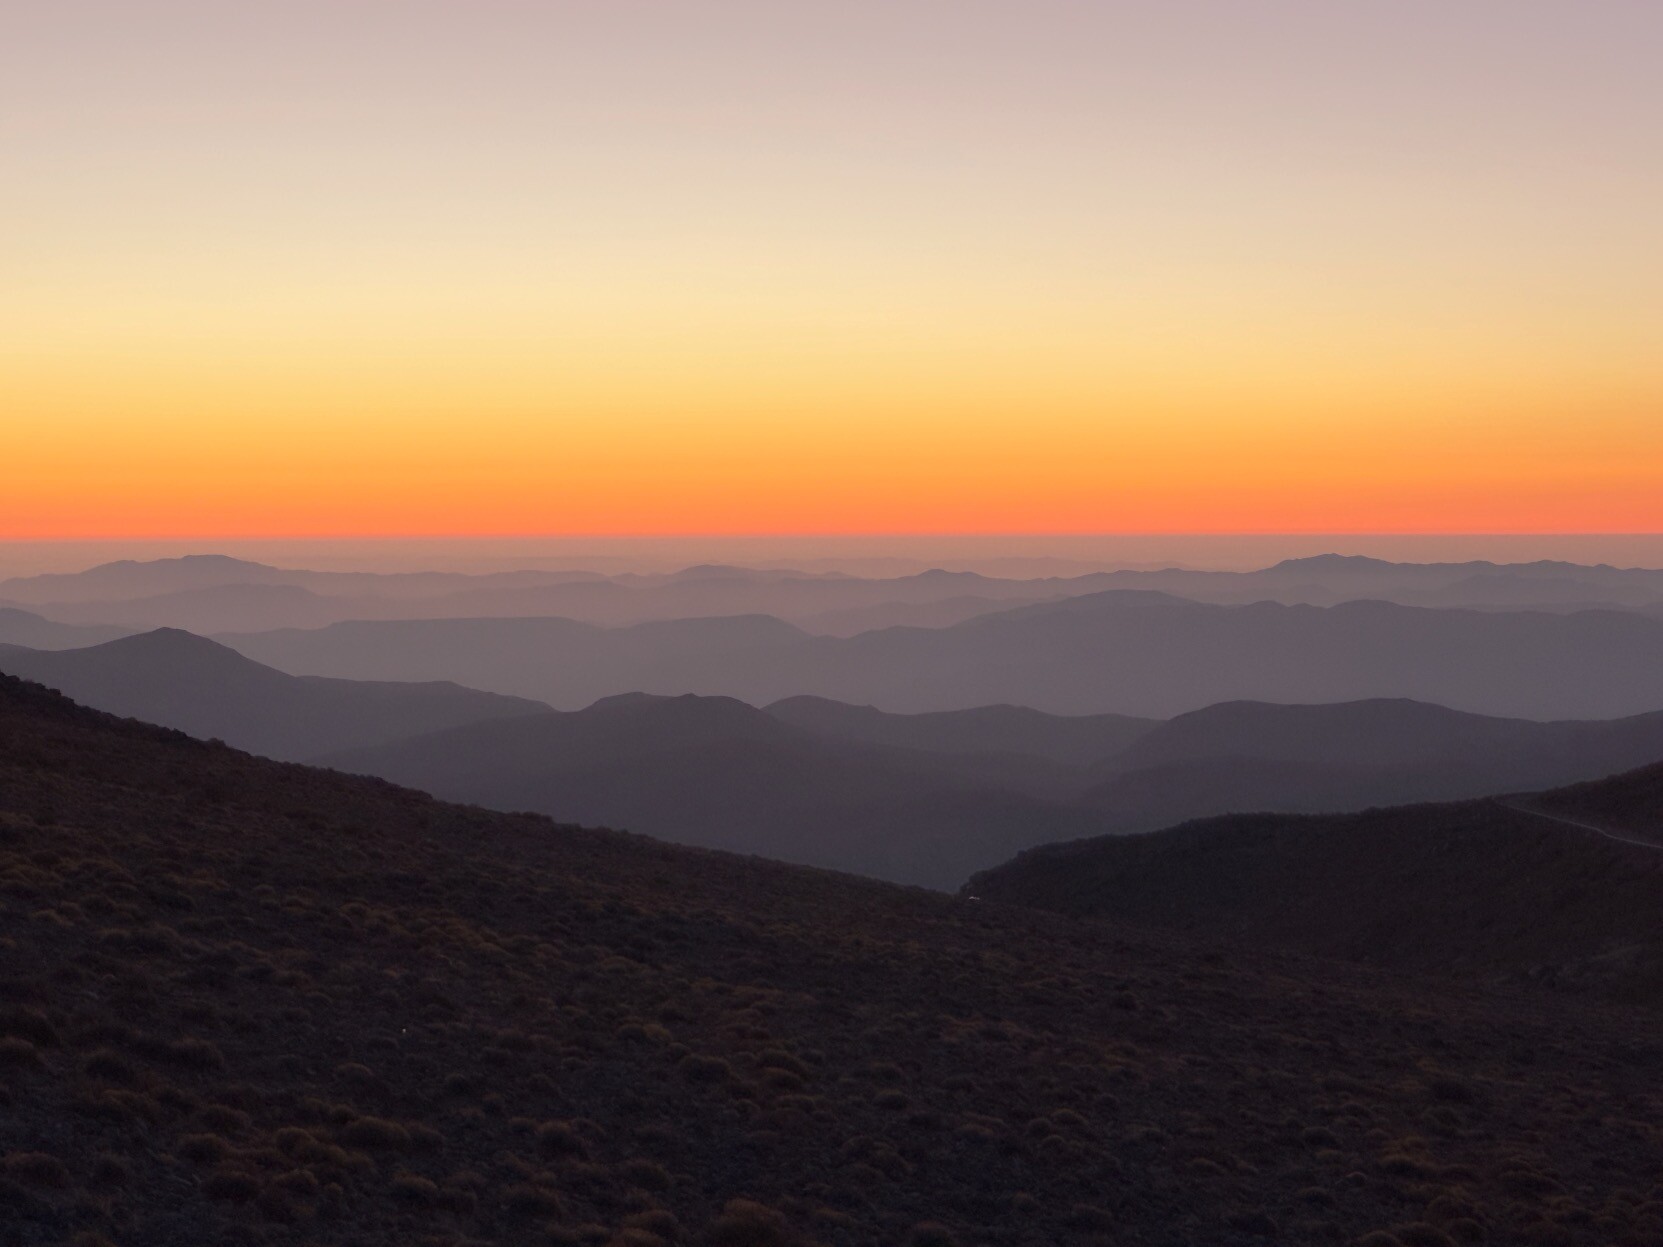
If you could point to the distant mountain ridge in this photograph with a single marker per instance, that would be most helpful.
(190, 683)
(931, 798)
(1127, 652)
(925, 798)
(717, 773)
(212, 593)
(19, 627)
(1075, 739)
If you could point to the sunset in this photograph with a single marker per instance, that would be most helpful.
(895, 623)
(377, 268)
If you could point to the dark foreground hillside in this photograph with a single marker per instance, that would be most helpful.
(246, 1002)
(1485, 889)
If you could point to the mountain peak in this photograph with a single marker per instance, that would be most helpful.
(173, 643)
(1333, 563)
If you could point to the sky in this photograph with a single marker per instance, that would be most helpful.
(398, 267)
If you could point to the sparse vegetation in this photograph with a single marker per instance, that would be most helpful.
(336, 1012)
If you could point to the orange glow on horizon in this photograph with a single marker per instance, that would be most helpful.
(340, 267)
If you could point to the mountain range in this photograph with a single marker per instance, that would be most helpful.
(250, 1003)
(215, 593)
(1127, 652)
(188, 682)
(923, 798)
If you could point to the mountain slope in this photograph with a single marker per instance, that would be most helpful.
(27, 629)
(248, 1003)
(188, 682)
(1629, 805)
(1252, 756)
(717, 773)
(1075, 739)
(1485, 887)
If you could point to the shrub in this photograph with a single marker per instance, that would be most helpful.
(204, 1149)
(413, 1189)
(527, 1200)
(745, 1223)
(1422, 1234)
(15, 1050)
(36, 1169)
(657, 1221)
(231, 1186)
(931, 1234)
(647, 1175)
(110, 1066)
(30, 1024)
(111, 1170)
(375, 1132)
(194, 1054)
(1253, 1221)
(557, 1138)
(708, 1069)
(1090, 1217)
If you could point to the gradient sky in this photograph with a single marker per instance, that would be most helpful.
(395, 266)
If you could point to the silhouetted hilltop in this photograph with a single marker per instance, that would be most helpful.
(126, 578)
(129, 579)
(188, 682)
(1477, 888)
(252, 1003)
(1629, 805)
(1377, 732)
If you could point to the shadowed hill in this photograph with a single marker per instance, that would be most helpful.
(1381, 732)
(248, 1003)
(715, 772)
(931, 798)
(30, 630)
(1252, 756)
(1482, 888)
(188, 682)
(1624, 805)
(1076, 739)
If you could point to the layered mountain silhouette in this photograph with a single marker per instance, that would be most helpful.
(212, 593)
(1249, 756)
(1079, 740)
(921, 798)
(190, 683)
(1564, 886)
(715, 772)
(931, 798)
(250, 1003)
(563, 662)
(1124, 652)
(129, 580)
(19, 627)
